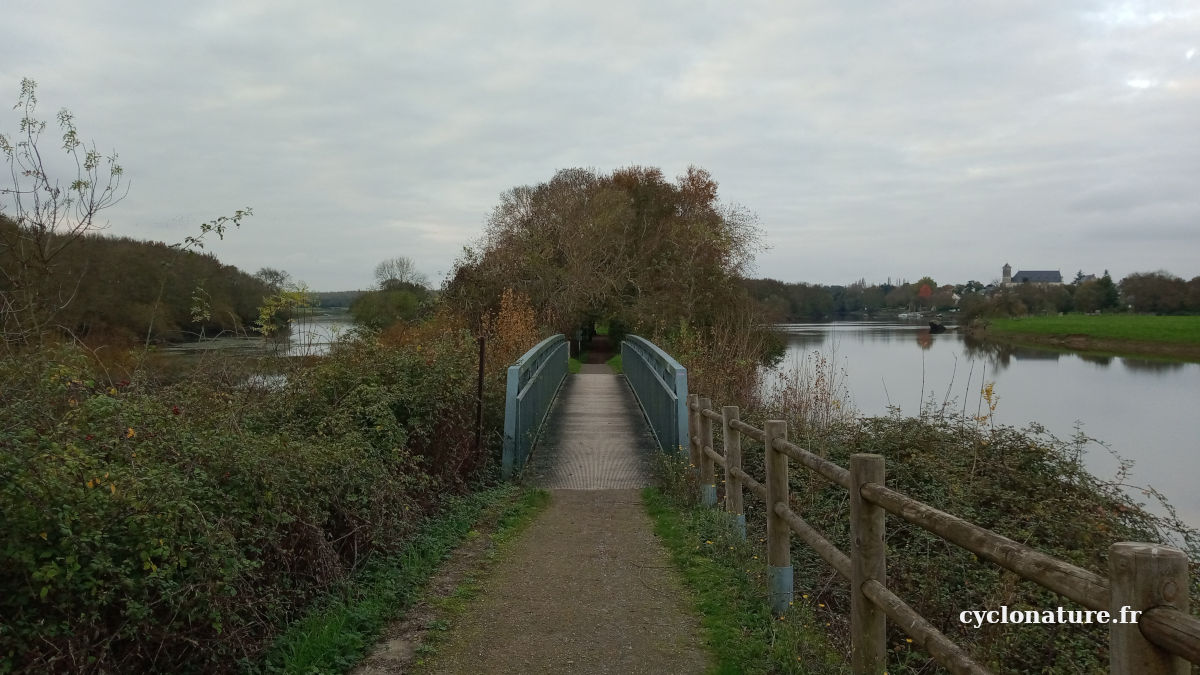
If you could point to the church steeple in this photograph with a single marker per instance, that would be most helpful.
(1007, 274)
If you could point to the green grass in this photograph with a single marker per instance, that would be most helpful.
(575, 363)
(615, 364)
(728, 584)
(342, 627)
(1139, 327)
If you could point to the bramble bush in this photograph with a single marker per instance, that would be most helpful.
(175, 527)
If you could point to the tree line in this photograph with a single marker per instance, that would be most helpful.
(1143, 292)
(118, 289)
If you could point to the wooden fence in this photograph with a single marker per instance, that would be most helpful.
(1147, 578)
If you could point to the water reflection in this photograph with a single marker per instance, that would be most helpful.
(1149, 366)
(924, 339)
(1096, 359)
(307, 336)
(998, 356)
(807, 335)
(1144, 409)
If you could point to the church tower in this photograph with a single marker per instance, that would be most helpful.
(1006, 279)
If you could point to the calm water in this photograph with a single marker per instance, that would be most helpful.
(309, 336)
(1146, 411)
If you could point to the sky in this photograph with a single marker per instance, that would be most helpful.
(874, 141)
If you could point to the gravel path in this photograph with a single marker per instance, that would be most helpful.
(587, 589)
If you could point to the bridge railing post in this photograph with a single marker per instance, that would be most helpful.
(868, 630)
(708, 472)
(779, 535)
(1143, 576)
(512, 412)
(532, 383)
(679, 394)
(732, 440)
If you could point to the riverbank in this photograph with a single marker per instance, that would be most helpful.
(1171, 337)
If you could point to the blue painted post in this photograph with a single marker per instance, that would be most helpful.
(511, 413)
(660, 384)
(681, 412)
(532, 384)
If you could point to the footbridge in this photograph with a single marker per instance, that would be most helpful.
(601, 430)
(594, 429)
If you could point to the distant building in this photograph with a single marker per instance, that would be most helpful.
(1040, 277)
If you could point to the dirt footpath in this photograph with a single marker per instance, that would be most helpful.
(586, 589)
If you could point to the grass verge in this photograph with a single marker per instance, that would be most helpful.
(615, 364)
(340, 629)
(1137, 327)
(728, 580)
(574, 363)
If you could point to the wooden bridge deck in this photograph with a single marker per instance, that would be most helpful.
(595, 437)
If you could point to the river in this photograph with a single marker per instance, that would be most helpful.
(311, 334)
(1146, 411)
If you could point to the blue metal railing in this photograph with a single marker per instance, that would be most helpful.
(532, 383)
(660, 384)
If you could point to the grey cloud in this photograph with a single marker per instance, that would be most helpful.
(918, 138)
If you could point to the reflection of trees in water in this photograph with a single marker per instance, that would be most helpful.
(1002, 355)
(1030, 354)
(1099, 359)
(806, 340)
(1148, 366)
(997, 355)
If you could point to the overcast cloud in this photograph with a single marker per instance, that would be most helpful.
(873, 140)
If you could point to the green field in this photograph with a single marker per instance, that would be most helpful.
(1184, 330)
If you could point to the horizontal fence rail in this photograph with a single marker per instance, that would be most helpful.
(660, 385)
(532, 384)
(1147, 578)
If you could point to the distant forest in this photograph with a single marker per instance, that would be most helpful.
(1143, 292)
(118, 289)
(334, 298)
(121, 290)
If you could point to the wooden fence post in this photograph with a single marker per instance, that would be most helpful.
(1143, 576)
(779, 536)
(708, 472)
(868, 562)
(693, 432)
(732, 439)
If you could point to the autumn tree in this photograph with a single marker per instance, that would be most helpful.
(630, 246)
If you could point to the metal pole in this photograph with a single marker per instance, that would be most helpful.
(479, 397)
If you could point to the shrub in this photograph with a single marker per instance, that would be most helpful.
(175, 527)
